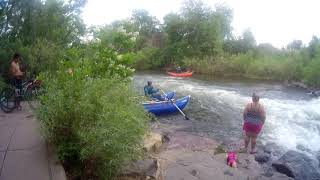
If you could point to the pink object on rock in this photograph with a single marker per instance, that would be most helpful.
(232, 158)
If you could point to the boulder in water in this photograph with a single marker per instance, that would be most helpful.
(298, 84)
(262, 157)
(318, 158)
(316, 93)
(276, 176)
(273, 149)
(303, 148)
(298, 166)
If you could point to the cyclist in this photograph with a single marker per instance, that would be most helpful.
(16, 74)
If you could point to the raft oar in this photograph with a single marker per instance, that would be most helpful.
(185, 116)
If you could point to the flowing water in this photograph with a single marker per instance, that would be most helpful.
(293, 117)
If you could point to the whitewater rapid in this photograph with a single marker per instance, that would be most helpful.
(293, 118)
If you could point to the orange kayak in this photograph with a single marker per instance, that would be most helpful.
(182, 74)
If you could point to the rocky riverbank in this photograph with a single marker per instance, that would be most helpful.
(174, 155)
(313, 91)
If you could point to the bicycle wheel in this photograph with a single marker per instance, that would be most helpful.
(31, 95)
(8, 100)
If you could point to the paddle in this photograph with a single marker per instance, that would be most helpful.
(185, 116)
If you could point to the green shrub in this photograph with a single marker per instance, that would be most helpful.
(273, 66)
(311, 73)
(148, 58)
(90, 115)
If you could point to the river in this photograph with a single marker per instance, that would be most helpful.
(293, 117)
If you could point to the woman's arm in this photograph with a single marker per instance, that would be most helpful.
(263, 114)
(245, 111)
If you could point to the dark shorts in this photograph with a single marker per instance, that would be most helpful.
(17, 82)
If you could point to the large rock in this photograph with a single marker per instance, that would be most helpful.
(299, 84)
(182, 140)
(298, 166)
(273, 149)
(303, 148)
(318, 158)
(275, 176)
(262, 157)
(246, 164)
(152, 142)
(315, 93)
(148, 169)
(197, 165)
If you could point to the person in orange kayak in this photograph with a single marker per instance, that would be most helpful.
(152, 93)
(254, 117)
(178, 69)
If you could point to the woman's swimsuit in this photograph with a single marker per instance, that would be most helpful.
(253, 121)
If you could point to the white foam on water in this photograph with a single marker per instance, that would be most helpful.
(289, 123)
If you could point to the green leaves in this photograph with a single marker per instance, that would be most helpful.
(39, 31)
(198, 31)
(312, 73)
(89, 111)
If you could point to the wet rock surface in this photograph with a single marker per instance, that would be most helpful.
(273, 149)
(191, 156)
(142, 169)
(262, 157)
(302, 148)
(182, 140)
(318, 158)
(298, 166)
(198, 165)
(152, 142)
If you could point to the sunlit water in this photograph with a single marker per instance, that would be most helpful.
(293, 118)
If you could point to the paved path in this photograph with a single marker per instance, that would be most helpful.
(24, 154)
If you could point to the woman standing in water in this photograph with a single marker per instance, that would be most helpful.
(254, 117)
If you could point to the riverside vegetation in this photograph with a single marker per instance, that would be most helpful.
(89, 110)
(200, 37)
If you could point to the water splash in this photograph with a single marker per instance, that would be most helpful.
(291, 121)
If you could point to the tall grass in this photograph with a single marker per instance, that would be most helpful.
(92, 118)
(277, 67)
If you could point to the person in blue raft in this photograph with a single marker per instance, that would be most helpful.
(152, 92)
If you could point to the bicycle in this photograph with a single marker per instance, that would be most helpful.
(10, 97)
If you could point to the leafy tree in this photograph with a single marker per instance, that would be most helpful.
(266, 49)
(200, 31)
(117, 38)
(90, 114)
(248, 39)
(174, 27)
(313, 47)
(243, 44)
(146, 25)
(295, 45)
(40, 30)
(197, 30)
(224, 15)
